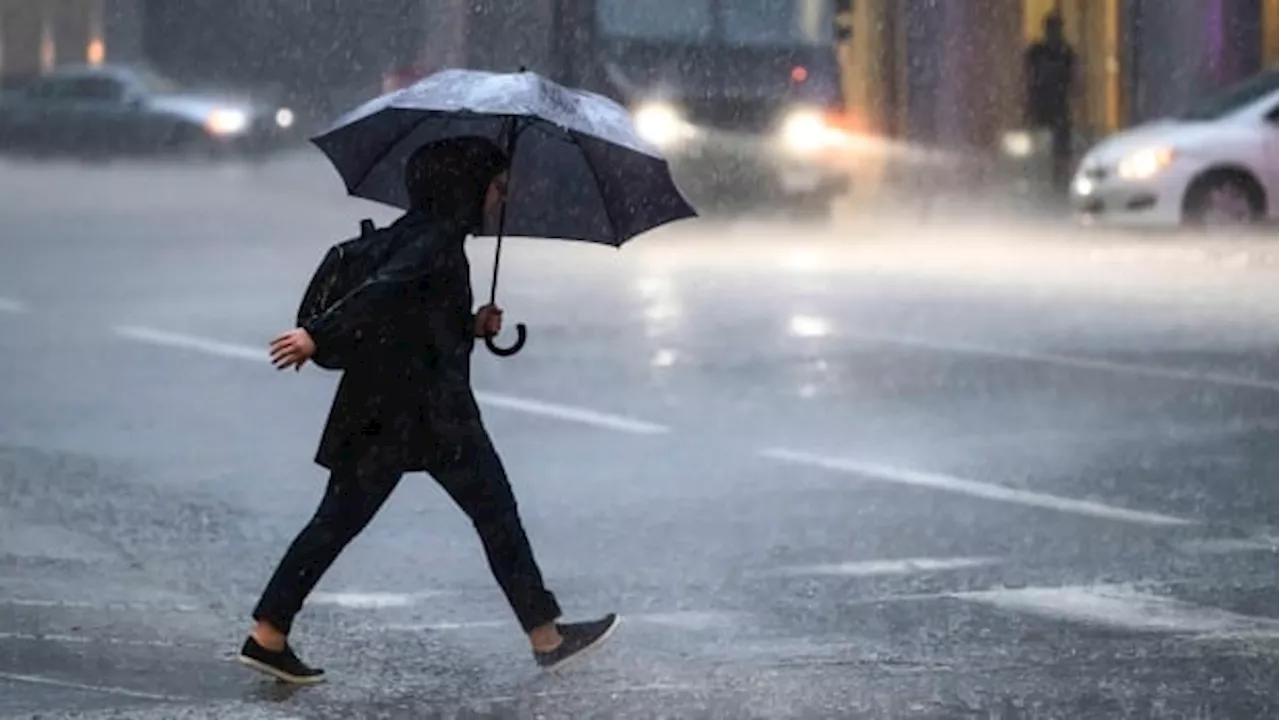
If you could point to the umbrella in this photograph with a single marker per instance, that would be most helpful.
(578, 168)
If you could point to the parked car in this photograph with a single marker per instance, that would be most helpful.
(1213, 164)
(114, 110)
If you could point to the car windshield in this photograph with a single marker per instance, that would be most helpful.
(742, 22)
(1227, 101)
(676, 20)
(155, 83)
(778, 22)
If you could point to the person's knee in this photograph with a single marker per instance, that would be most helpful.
(492, 508)
(501, 530)
(321, 534)
(495, 505)
(477, 481)
(336, 528)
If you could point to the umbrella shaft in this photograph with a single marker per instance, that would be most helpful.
(497, 257)
(512, 130)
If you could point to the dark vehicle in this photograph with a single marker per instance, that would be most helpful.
(743, 95)
(112, 110)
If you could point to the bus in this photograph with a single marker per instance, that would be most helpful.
(743, 96)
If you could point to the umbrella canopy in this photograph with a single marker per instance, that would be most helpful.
(578, 168)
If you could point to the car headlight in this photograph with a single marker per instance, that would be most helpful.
(226, 121)
(661, 124)
(1145, 164)
(806, 131)
(284, 118)
(1018, 144)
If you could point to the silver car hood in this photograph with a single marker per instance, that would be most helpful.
(196, 107)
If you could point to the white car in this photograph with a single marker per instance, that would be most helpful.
(1214, 164)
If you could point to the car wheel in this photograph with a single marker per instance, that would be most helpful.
(193, 144)
(97, 157)
(816, 209)
(1223, 199)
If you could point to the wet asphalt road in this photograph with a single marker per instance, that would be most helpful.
(882, 469)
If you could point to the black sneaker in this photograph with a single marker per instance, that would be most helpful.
(283, 665)
(576, 639)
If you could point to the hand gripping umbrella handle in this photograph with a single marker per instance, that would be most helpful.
(522, 334)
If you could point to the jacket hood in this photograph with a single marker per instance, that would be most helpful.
(448, 179)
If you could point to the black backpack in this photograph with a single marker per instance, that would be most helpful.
(344, 267)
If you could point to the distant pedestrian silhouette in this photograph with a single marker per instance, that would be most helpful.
(1049, 66)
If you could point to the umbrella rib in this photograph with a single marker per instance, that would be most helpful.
(613, 227)
(422, 117)
(352, 188)
(542, 126)
(388, 150)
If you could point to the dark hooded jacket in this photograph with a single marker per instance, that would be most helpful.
(406, 400)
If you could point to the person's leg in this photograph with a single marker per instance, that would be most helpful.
(350, 501)
(477, 482)
(1063, 156)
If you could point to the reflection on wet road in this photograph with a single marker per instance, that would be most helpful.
(879, 469)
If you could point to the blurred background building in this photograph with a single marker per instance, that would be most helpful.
(950, 70)
(933, 71)
(37, 34)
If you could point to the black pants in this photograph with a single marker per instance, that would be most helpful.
(476, 481)
(1063, 154)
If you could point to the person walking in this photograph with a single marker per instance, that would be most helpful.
(1050, 68)
(405, 404)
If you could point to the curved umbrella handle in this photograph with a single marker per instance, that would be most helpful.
(522, 334)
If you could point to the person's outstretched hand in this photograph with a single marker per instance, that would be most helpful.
(488, 321)
(292, 349)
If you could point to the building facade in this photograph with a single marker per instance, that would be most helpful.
(36, 35)
(949, 71)
(945, 72)
(1174, 51)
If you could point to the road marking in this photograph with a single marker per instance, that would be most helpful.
(907, 566)
(1079, 363)
(190, 342)
(85, 640)
(447, 626)
(568, 413)
(108, 605)
(106, 689)
(14, 307)
(897, 598)
(1123, 607)
(691, 619)
(682, 619)
(370, 600)
(32, 602)
(606, 691)
(571, 414)
(1227, 546)
(987, 491)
